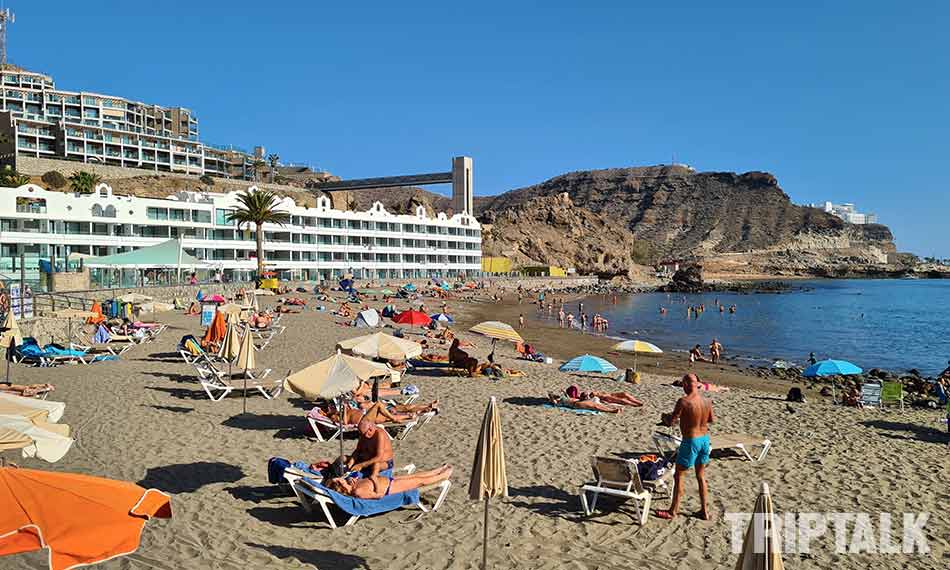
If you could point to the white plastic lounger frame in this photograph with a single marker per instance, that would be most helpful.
(402, 430)
(308, 496)
(618, 477)
(666, 442)
(218, 387)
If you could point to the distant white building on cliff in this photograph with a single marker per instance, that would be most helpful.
(847, 212)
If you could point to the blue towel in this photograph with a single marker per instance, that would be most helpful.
(368, 507)
(102, 335)
(51, 350)
(574, 410)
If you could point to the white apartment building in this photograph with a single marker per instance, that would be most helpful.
(847, 212)
(318, 243)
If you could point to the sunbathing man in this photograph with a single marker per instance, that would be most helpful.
(618, 398)
(694, 413)
(27, 391)
(593, 404)
(460, 358)
(379, 487)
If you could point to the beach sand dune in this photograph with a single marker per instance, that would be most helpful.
(145, 419)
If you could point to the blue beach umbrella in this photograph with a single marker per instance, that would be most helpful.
(831, 368)
(442, 318)
(588, 363)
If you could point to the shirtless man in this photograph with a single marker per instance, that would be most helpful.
(694, 413)
(715, 350)
(374, 450)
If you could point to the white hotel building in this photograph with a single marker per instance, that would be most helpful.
(318, 243)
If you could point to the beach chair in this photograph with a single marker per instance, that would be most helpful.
(217, 384)
(870, 395)
(117, 344)
(191, 351)
(745, 445)
(311, 492)
(618, 477)
(263, 337)
(892, 392)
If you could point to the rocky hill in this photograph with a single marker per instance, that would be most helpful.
(673, 211)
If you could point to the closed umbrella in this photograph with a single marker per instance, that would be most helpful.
(10, 339)
(761, 549)
(381, 345)
(230, 346)
(331, 378)
(637, 347)
(588, 363)
(489, 478)
(80, 519)
(246, 359)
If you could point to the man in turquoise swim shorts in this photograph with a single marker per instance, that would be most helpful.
(694, 413)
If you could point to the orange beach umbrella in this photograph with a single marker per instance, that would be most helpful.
(80, 519)
(98, 317)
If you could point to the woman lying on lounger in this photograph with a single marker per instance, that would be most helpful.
(27, 391)
(379, 486)
(618, 398)
(593, 404)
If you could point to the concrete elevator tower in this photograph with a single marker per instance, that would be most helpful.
(463, 194)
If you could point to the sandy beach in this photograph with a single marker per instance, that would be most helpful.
(144, 418)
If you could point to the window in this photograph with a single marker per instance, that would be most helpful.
(221, 217)
(96, 211)
(223, 235)
(201, 216)
(109, 212)
(178, 215)
(157, 213)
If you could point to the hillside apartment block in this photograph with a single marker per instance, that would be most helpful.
(38, 120)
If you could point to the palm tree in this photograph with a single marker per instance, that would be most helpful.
(256, 166)
(84, 182)
(258, 208)
(273, 159)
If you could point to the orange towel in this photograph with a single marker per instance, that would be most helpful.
(97, 309)
(215, 333)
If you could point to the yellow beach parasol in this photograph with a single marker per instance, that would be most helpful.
(31, 429)
(381, 345)
(334, 377)
(497, 331)
(637, 347)
(489, 478)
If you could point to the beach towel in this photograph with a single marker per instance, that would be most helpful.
(368, 507)
(102, 335)
(97, 309)
(572, 410)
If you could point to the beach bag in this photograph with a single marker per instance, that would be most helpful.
(275, 469)
(652, 470)
(795, 395)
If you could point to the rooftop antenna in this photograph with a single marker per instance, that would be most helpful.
(6, 17)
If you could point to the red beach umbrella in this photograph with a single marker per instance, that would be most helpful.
(412, 318)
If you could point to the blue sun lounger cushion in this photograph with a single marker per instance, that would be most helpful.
(368, 507)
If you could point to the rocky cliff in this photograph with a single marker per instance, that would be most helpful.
(673, 211)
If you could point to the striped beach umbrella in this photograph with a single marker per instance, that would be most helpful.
(497, 330)
(588, 363)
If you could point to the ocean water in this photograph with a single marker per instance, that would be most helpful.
(891, 324)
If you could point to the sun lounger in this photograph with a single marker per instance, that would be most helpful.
(263, 337)
(619, 477)
(318, 420)
(217, 384)
(667, 442)
(192, 351)
(311, 492)
(870, 395)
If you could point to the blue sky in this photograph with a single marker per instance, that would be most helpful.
(845, 101)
